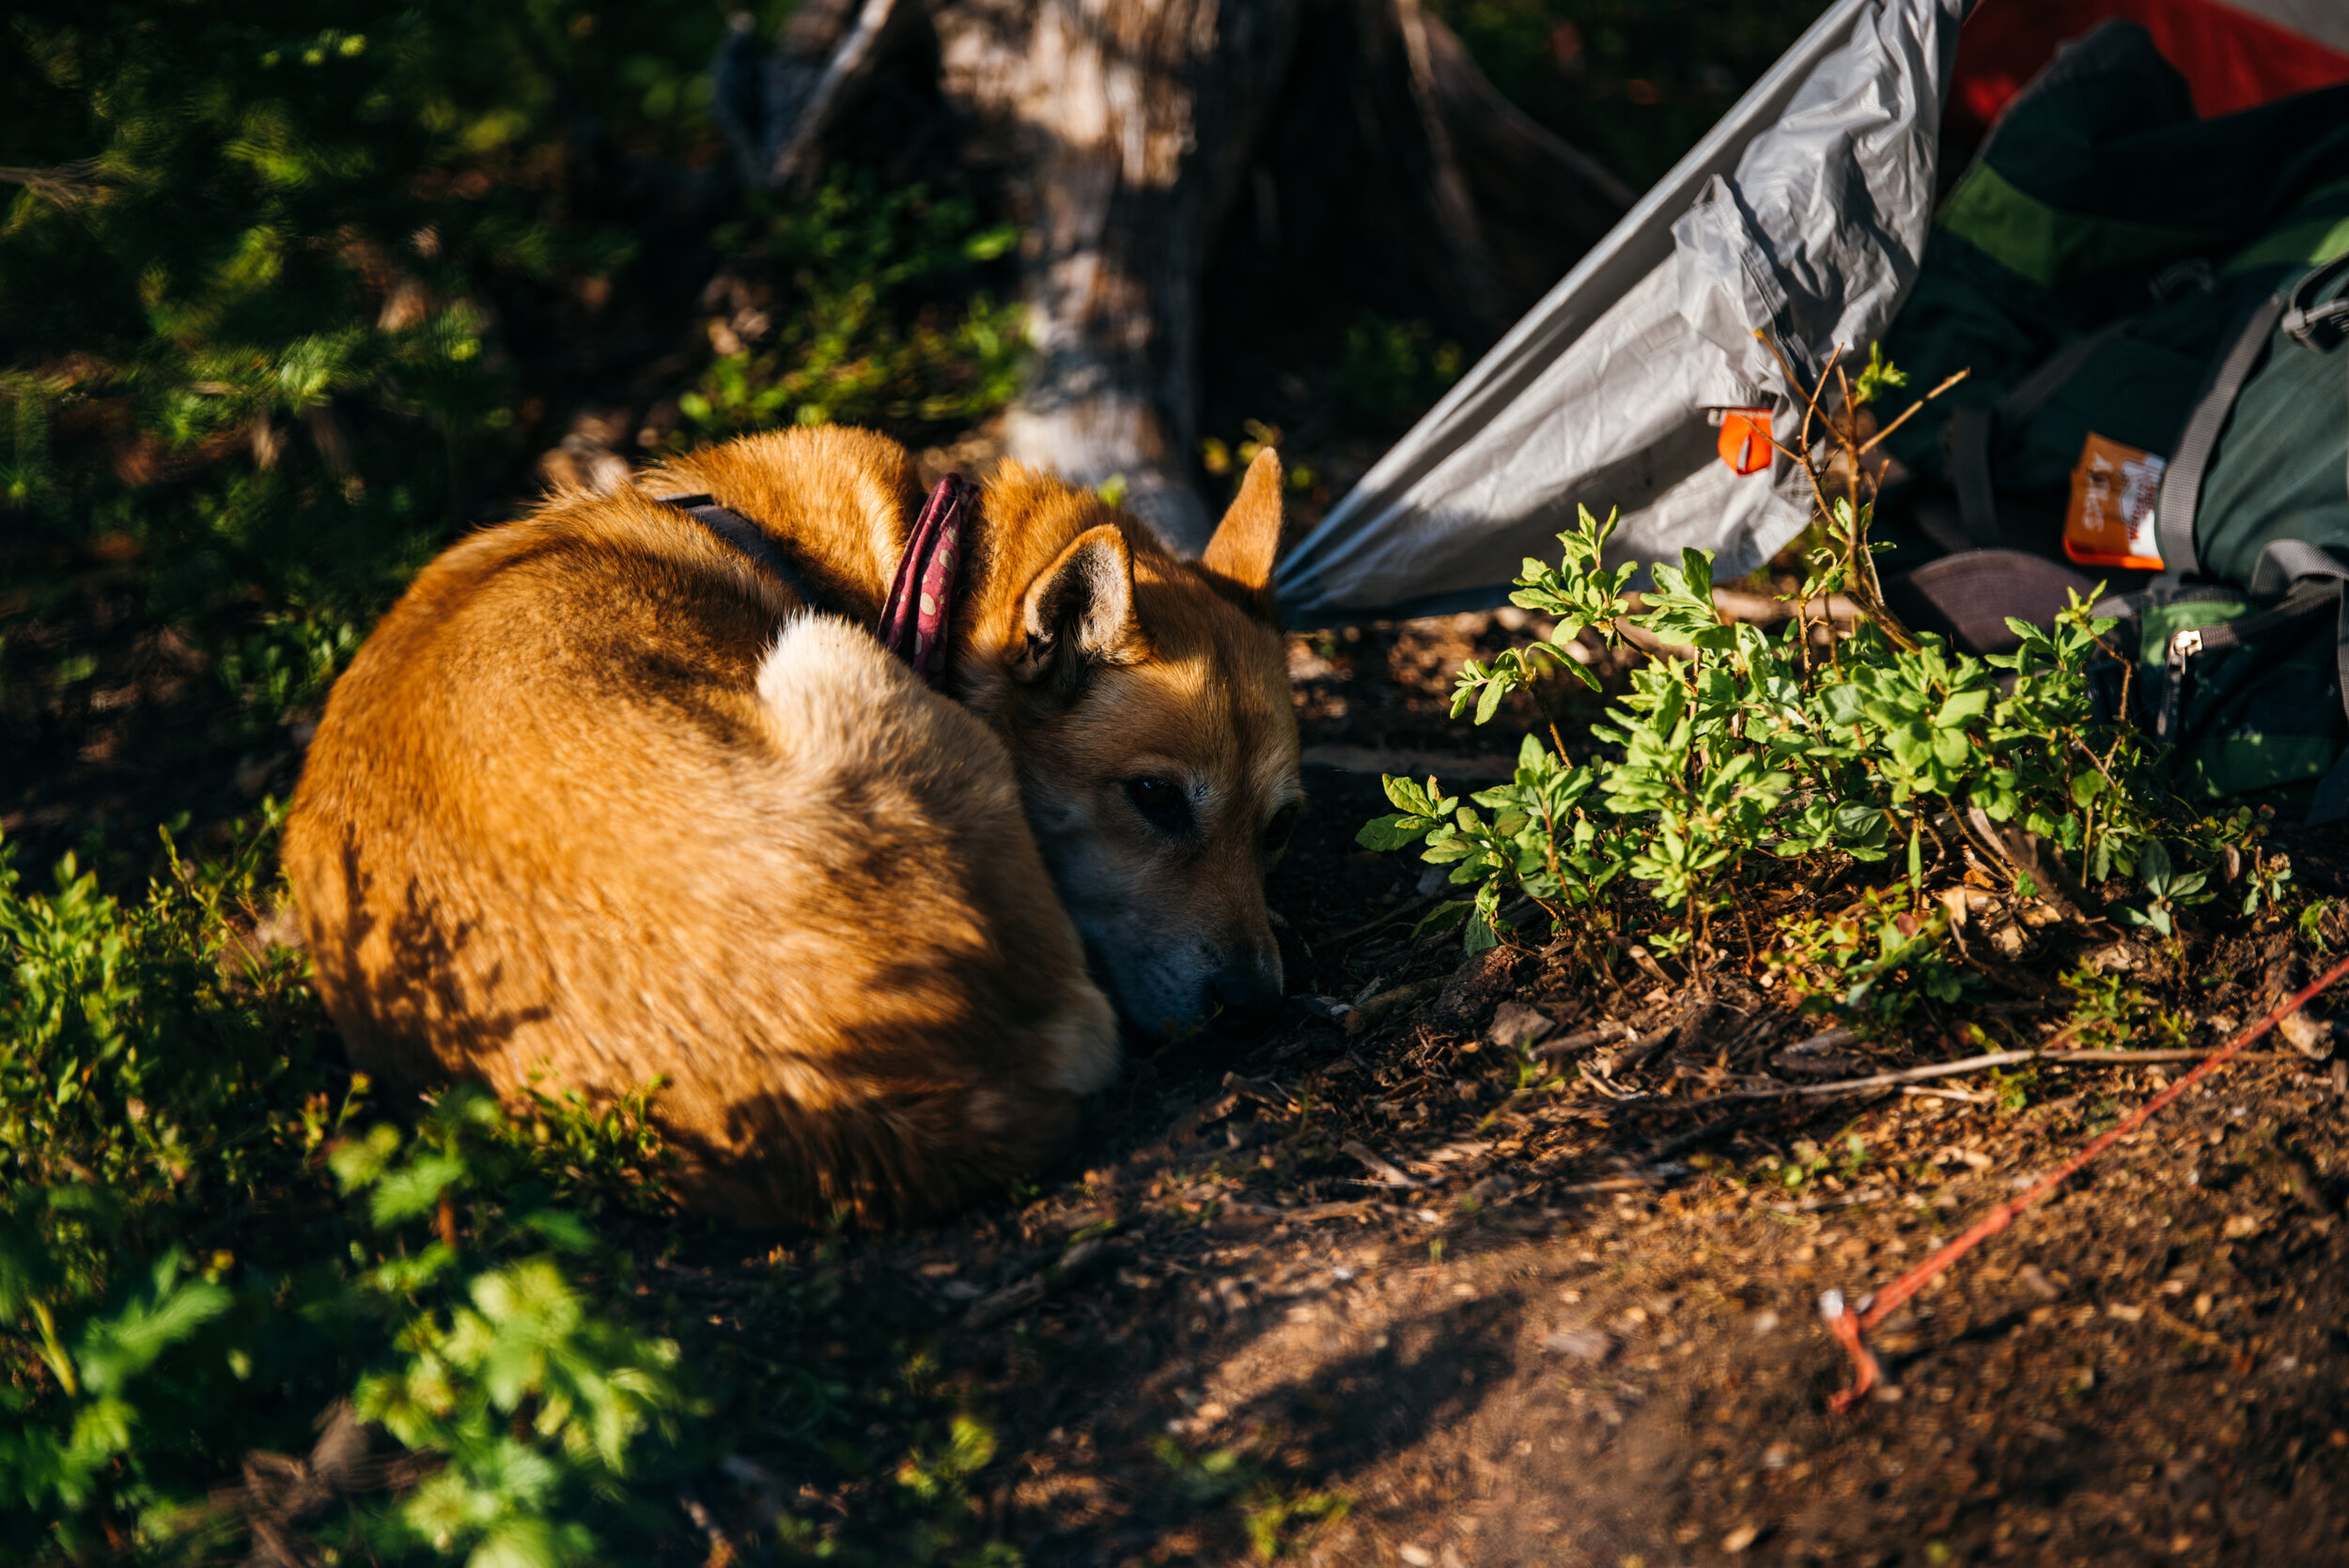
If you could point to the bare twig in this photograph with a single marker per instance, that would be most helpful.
(1396, 913)
(1584, 1039)
(846, 65)
(1973, 1065)
(1309, 1213)
(1913, 408)
(1263, 1091)
(1388, 1173)
(1619, 1184)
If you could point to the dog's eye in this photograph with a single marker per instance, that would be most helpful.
(1276, 833)
(1162, 803)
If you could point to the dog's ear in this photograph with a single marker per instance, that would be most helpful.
(1248, 540)
(1080, 612)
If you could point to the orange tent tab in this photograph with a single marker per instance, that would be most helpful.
(1746, 440)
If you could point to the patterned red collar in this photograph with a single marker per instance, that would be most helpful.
(913, 622)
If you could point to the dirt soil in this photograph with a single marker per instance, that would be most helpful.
(1399, 1294)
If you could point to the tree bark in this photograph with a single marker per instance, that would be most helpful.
(1125, 129)
(1123, 124)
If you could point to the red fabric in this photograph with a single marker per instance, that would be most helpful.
(2231, 59)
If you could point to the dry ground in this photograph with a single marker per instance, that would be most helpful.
(1586, 1331)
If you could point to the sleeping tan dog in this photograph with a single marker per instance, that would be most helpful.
(603, 800)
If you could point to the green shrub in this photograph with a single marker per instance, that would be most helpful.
(182, 1281)
(251, 287)
(874, 312)
(1878, 748)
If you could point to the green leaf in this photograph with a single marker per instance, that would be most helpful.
(1480, 935)
(114, 1350)
(1962, 709)
(414, 1189)
(1407, 795)
(1393, 832)
(361, 1162)
(1443, 916)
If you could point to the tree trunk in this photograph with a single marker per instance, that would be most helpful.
(1124, 124)
(1125, 129)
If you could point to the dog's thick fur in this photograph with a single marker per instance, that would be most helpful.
(601, 800)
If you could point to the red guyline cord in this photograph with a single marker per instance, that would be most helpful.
(1848, 1327)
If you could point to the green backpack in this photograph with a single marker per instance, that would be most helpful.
(2111, 267)
(2248, 684)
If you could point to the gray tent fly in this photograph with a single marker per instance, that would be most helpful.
(1803, 213)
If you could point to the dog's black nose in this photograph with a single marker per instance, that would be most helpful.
(1248, 997)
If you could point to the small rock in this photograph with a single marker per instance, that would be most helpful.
(1418, 1557)
(1739, 1539)
(1476, 986)
(1517, 1025)
(2310, 1036)
(1582, 1343)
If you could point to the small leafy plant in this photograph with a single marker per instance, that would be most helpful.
(2168, 889)
(181, 1281)
(1819, 747)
